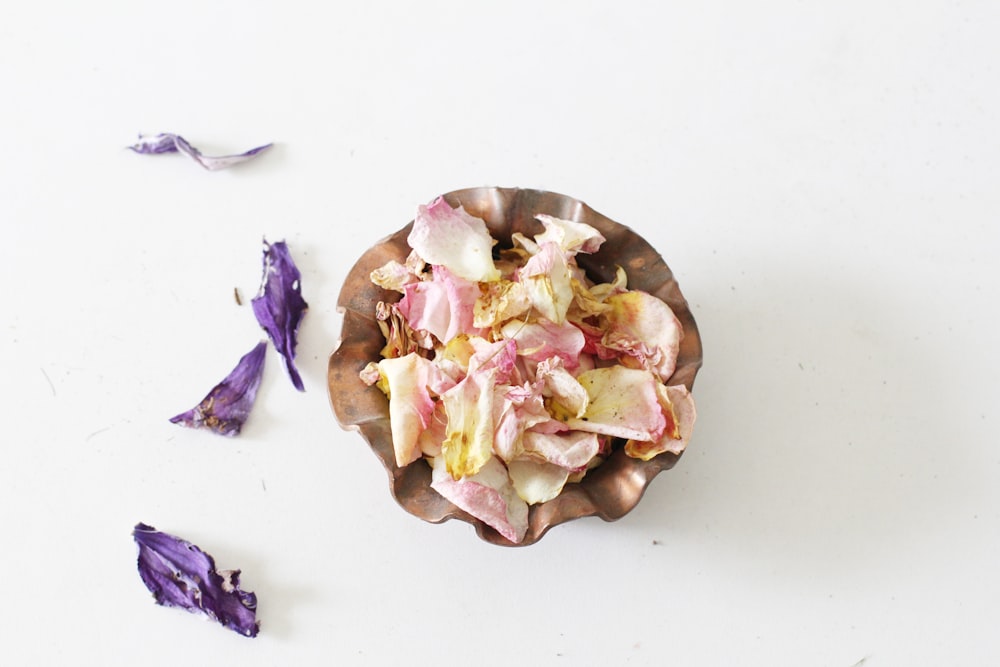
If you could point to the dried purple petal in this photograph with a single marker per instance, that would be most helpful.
(228, 405)
(173, 143)
(279, 305)
(179, 574)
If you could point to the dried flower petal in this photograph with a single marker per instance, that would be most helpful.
(409, 382)
(452, 238)
(623, 404)
(442, 306)
(571, 236)
(469, 406)
(174, 143)
(537, 481)
(279, 305)
(678, 408)
(547, 281)
(644, 331)
(179, 574)
(228, 405)
(488, 495)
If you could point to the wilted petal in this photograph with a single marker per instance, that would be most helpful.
(179, 574)
(602, 291)
(393, 276)
(515, 409)
(469, 406)
(433, 436)
(279, 305)
(537, 481)
(499, 301)
(500, 355)
(541, 340)
(410, 380)
(488, 495)
(548, 282)
(452, 238)
(572, 450)
(400, 338)
(174, 143)
(678, 408)
(228, 405)
(568, 394)
(570, 236)
(644, 330)
(623, 404)
(442, 306)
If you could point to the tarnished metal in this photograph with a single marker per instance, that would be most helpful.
(609, 491)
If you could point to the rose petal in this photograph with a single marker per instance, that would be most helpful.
(548, 283)
(408, 380)
(469, 406)
(173, 143)
(537, 481)
(228, 404)
(623, 404)
(643, 328)
(515, 409)
(394, 276)
(679, 410)
(570, 399)
(488, 495)
(179, 574)
(442, 306)
(541, 340)
(279, 305)
(572, 450)
(500, 301)
(454, 239)
(570, 236)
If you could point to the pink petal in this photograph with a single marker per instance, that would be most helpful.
(515, 410)
(410, 404)
(454, 239)
(572, 450)
(442, 306)
(644, 329)
(541, 340)
(678, 408)
(487, 495)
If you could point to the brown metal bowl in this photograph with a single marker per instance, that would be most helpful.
(610, 490)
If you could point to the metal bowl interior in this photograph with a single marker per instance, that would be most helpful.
(610, 490)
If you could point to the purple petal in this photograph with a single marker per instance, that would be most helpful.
(228, 405)
(179, 574)
(173, 143)
(155, 144)
(279, 305)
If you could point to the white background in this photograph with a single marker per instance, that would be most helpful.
(821, 177)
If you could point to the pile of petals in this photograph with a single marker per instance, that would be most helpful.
(179, 574)
(512, 373)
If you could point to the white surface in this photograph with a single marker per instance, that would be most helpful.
(822, 180)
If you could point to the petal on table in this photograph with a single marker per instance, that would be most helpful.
(228, 404)
(279, 305)
(179, 574)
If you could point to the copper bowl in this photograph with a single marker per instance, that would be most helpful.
(610, 490)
